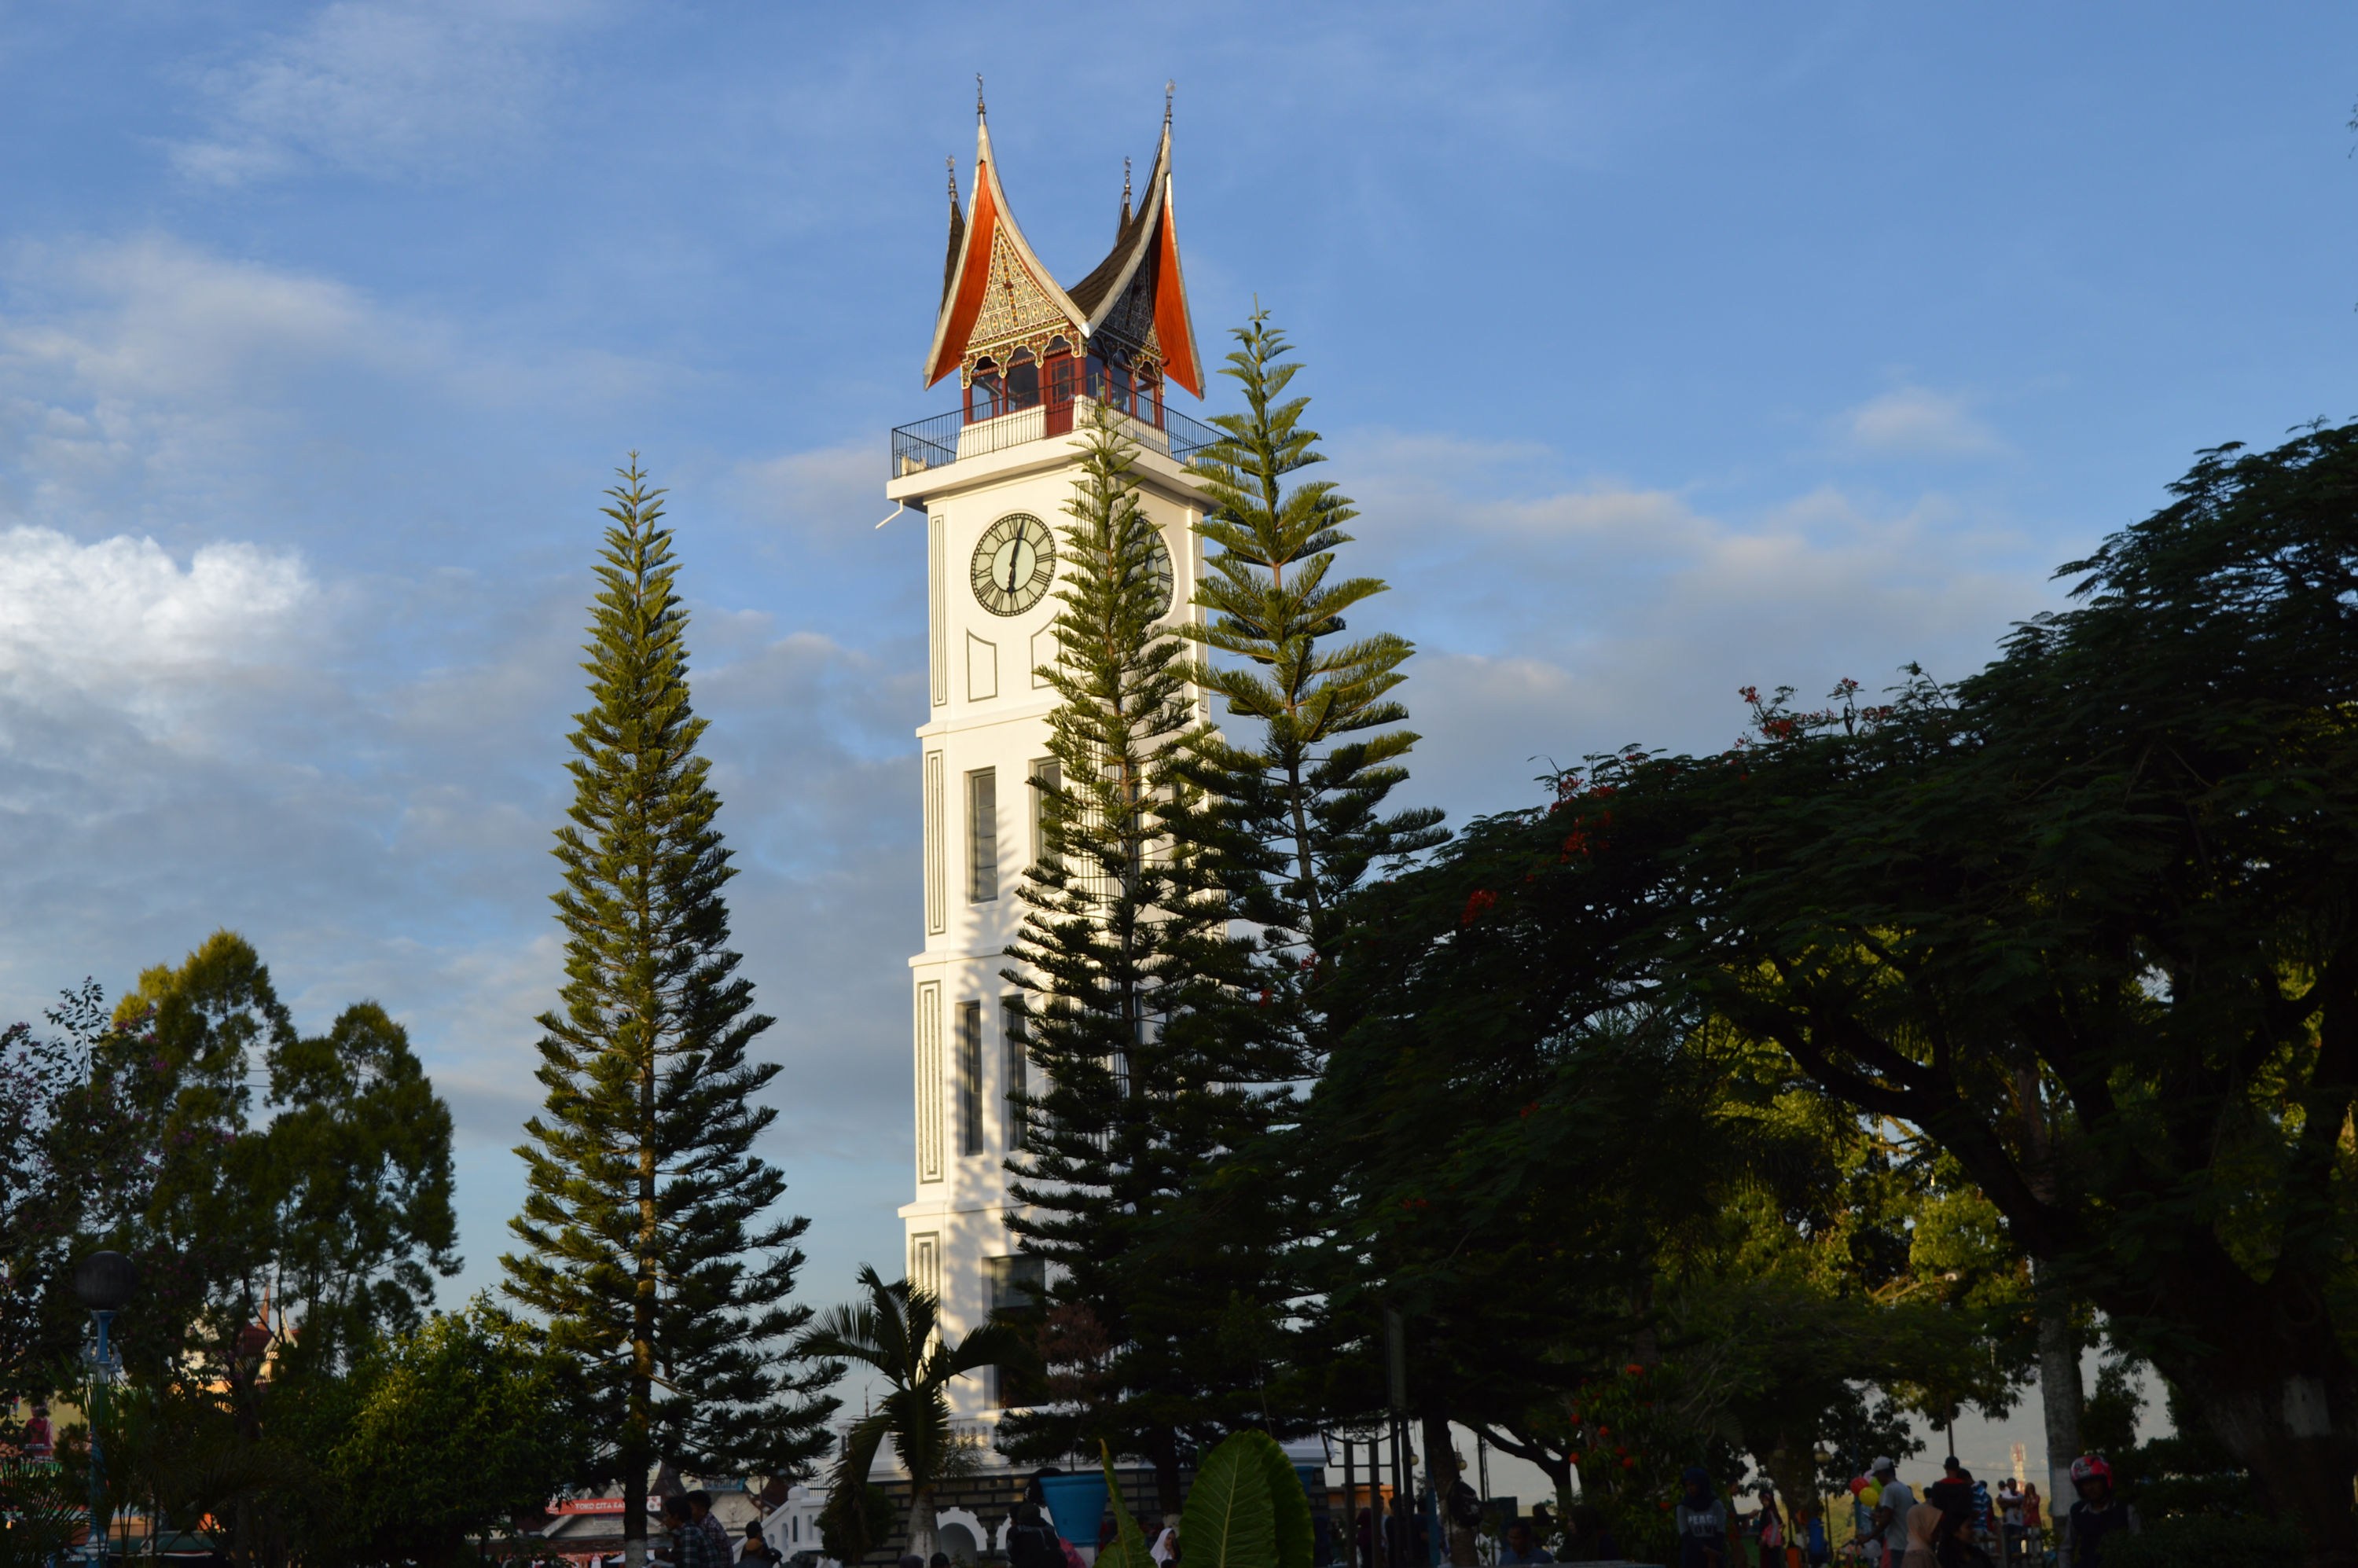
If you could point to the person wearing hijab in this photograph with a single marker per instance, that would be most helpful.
(1701, 1522)
(1922, 1521)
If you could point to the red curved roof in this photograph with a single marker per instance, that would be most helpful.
(1136, 293)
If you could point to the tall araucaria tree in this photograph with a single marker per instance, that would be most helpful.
(1309, 750)
(1128, 965)
(649, 1239)
(1312, 748)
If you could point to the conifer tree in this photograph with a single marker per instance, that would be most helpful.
(1128, 967)
(1294, 784)
(1300, 784)
(649, 1243)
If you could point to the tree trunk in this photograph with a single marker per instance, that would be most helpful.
(924, 1524)
(2261, 1358)
(2059, 1348)
(635, 1512)
(2263, 1363)
(1793, 1467)
(638, 1438)
(1165, 1460)
(1442, 1468)
(1440, 1454)
(2059, 1394)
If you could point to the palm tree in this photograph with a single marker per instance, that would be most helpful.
(897, 1331)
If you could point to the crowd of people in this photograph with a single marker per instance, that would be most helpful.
(1958, 1523)
(694, 1538)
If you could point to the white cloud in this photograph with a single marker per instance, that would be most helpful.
(1916, 422)
(401, 89)
(821, 493)
(121, 622)
(152, 316)
(131, 682)
(147, 382)
(1565, 621)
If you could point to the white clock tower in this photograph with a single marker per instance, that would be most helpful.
(991, 481)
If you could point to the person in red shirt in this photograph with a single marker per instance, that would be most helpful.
(40, 1438)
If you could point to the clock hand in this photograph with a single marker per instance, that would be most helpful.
(1012, 558)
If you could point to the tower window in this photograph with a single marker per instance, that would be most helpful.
(1018, 1289)
(983, 393)
(969, 1077)
(1023, 381)
(1015, 1046)
(1017, 1283)
(983, 835)
(1049, 774)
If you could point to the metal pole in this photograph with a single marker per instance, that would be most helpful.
(1396, 1364)
(98, 1378)
(1350, 1543)
(1482, 1465)
(1404, 1496)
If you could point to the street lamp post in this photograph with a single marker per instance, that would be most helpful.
(105, 1281)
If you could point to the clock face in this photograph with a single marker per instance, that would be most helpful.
(1161, 578)
(1013, 564)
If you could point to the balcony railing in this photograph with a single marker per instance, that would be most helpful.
(949, 438)
(1189, 437)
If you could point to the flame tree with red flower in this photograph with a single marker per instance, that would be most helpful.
(2084, 924)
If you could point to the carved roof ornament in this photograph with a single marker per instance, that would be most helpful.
(997, 296)
(957, 234)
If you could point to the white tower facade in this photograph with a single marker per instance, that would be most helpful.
(991, 482)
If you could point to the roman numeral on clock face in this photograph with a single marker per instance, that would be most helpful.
(1015, 562)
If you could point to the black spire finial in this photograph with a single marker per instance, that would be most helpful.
(951, 164)
(978, 95)
(1123, 227)
(1168, 89)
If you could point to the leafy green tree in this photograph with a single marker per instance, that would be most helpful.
(456, 1427)
(2120, 859)
(335, 1212)
(80, 1147)
(361, 1146)
(213, 1024)
(276, 1239)
(1556, 1168)
(648, 1239)
(2101, 888)
(897, 1333)
(1127, 970)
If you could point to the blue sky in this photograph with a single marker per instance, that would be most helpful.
(1667, 348)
